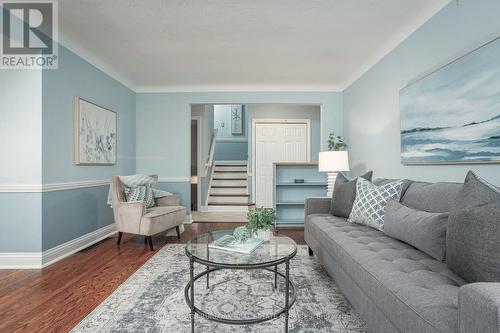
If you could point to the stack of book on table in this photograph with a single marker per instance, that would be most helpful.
(230, 243)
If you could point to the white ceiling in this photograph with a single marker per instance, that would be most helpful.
(227, 45)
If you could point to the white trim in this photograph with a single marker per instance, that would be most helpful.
(66, 249)
(229, 140)
(37, 260)
(231, 162)
(188, 219)
(276, 121)
(21, 188)
(237, 88)
(174, 179)
(20, 260)
(73, 185)
(29, 188)
(391, 45)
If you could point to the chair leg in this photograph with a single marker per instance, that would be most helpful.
(120, 234)
(178, 232)
(150, 242)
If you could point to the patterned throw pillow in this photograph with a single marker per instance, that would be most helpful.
(369, 206)
(141, 193)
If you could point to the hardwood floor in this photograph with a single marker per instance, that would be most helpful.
(56, 298)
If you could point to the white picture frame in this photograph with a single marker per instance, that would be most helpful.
(236, 120)
(95, 134)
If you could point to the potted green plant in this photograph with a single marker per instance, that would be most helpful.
(260, 221)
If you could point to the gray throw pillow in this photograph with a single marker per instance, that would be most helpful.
(473, 234)
(369, 206)
(344, 194)
(423, 230)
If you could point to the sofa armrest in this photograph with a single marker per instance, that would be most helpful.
(479, 307)
(169, 200)
(128, 215)
(317, 205)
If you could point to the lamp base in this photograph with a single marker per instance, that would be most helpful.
(332, 176)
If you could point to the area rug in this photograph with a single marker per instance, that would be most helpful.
(152, 299)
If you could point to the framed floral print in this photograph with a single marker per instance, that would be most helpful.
(95, 134)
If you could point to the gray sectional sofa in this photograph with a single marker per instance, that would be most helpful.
(394, 286)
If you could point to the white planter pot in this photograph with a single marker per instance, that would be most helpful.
(265, 235)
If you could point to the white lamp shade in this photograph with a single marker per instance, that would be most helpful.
(333, 161)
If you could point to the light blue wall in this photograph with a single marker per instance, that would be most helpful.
(371, 104)
(231, 150)
(21, 151)
(230, 147)
(222, 115)
(69, 214)
(76, 77)
(163, 123)
(20, 222)
(183, 189)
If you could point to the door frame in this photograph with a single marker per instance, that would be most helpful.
(199, 121)
(256, 121)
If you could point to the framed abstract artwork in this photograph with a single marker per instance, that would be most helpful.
(95, 134)
(236, 119)
(452, 115)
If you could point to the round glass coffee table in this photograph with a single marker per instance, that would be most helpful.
(276, 251)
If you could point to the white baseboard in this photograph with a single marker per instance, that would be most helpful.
(188, 219)
(62, 251)
(37, 260)
(20, 260)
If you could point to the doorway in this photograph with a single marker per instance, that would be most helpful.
(276, 140)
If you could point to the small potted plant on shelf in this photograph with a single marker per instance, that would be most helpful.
(260, 221)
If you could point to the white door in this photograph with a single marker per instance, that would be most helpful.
(276, 142)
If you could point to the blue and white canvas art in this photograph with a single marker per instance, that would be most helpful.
(95, 135)
(453, 114)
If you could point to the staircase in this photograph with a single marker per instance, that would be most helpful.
(229, 187)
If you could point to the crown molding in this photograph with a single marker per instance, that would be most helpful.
(236, 88)
(392, 44)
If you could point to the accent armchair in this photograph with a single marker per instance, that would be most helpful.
(133, 217)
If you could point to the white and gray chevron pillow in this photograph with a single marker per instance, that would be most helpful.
(369, 206)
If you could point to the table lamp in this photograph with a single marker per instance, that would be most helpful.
(333, 162)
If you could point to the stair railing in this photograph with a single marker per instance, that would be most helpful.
(209, 165)
(210, 158)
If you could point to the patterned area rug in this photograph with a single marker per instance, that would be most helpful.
(152, 299)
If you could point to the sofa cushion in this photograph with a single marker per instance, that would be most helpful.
(161, 218)
(473, 246)
(431, 197)
(423, 230)
(370, 202)
(416, 292)
(344, 193)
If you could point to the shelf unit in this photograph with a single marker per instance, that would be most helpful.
(289, 197)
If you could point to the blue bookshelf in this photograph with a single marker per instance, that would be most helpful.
(289, 196)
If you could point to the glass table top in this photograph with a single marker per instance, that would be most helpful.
(276, 249)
